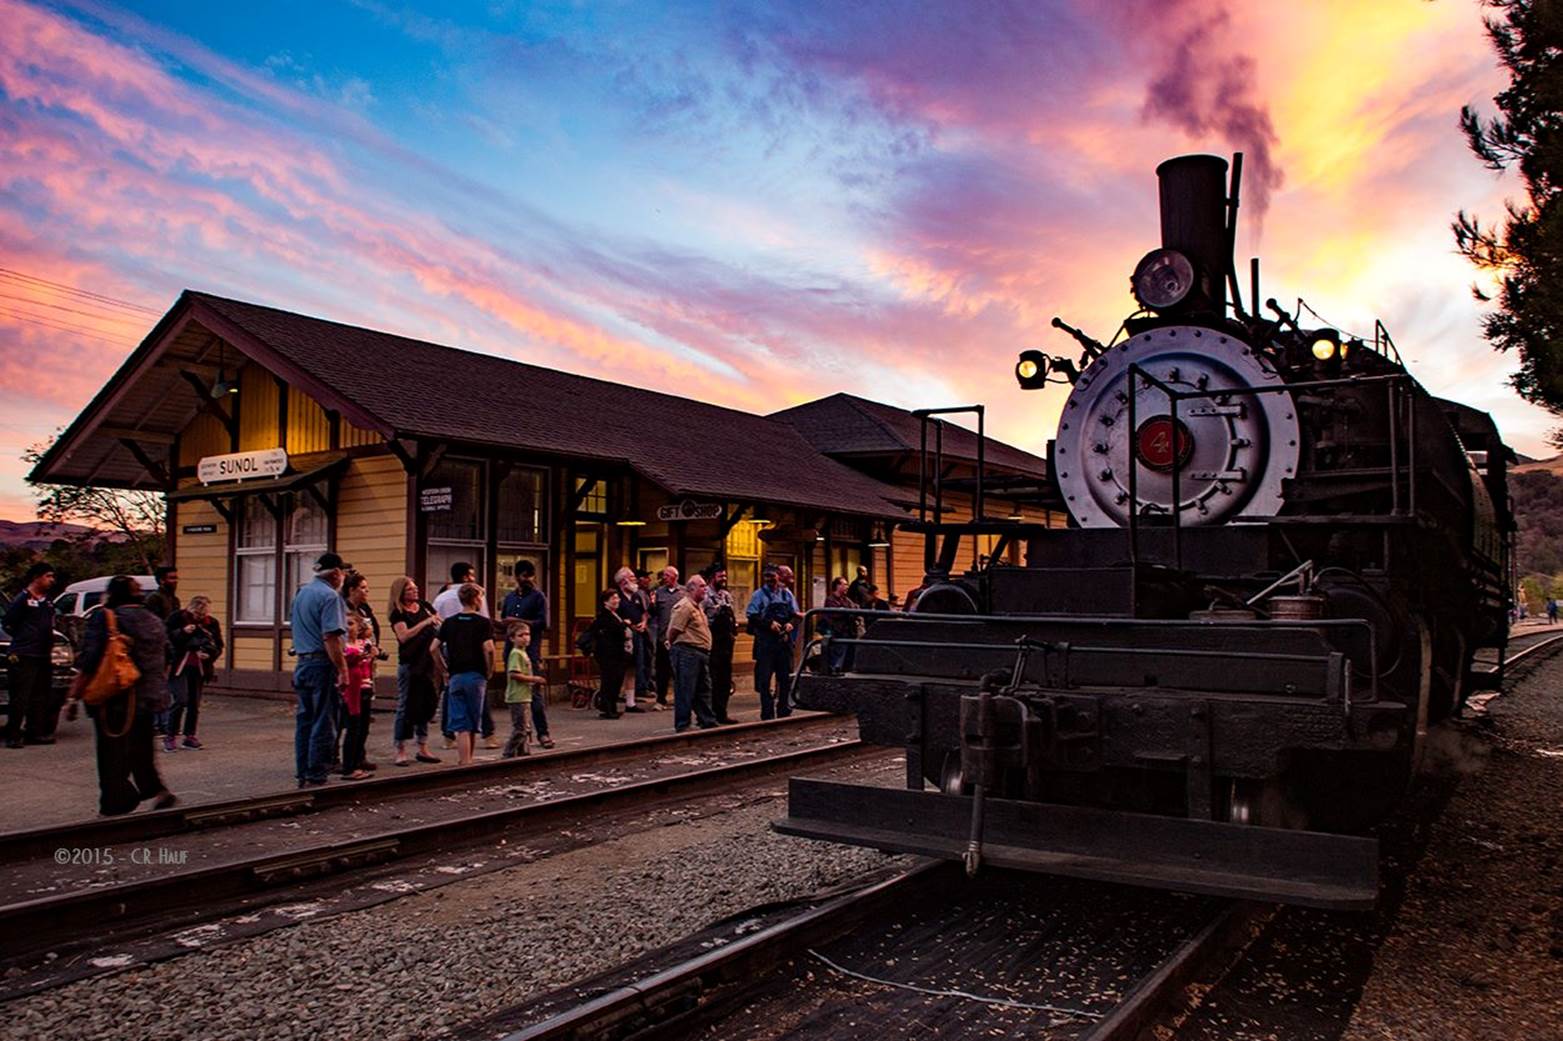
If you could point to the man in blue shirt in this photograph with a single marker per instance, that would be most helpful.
(29, 621)
(773, 616)
(530, 604)
(319, 620)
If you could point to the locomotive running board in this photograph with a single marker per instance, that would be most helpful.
(1314, 869)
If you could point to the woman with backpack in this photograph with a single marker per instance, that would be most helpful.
(123, 715)
(610, 641)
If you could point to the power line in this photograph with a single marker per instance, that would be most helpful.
(61, 327)
(100, 297)
(33, 301)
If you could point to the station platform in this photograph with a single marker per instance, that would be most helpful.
(248, 750)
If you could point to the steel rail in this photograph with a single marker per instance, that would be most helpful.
(684, 991)
(141, 827)
(194, 895)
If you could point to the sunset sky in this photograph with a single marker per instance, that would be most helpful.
(753, 204)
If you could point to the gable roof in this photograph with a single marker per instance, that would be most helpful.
(402, 387)
(846, 425)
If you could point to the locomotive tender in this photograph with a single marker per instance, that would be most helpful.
(1283, 554)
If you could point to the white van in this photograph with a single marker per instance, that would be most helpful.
(72, 606)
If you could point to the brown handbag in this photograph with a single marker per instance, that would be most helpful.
(116, 674)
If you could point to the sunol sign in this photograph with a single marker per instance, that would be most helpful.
(268, 462)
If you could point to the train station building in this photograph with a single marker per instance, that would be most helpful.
(276, 436)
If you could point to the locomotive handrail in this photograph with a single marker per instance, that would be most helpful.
(1391, 381)
(916, 617)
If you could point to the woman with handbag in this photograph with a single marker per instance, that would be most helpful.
(122, 680)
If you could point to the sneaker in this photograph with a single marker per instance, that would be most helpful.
(422, 758)
(547, 742)
(491, 742)
(168, 743)
(164, 800)
(450, 742)
(191, 742)
(633, 708)
(655, 706)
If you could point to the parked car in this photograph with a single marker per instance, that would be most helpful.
(80, 599)
(64, 668)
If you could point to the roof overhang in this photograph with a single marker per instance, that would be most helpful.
(318, 469)
(125, 436)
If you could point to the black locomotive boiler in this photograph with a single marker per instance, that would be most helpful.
(1282, 555)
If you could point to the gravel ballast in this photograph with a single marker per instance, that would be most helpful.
(1477, 952)
(423, 965)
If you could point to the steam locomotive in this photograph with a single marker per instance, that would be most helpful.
(1282, 557)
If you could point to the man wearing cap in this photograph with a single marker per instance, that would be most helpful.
(319, 620)
(772, 614)
(29, 619)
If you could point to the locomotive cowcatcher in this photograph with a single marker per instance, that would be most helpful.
(1282, 556)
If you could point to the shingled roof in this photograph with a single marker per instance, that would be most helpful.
(844, 425)
(402, 387)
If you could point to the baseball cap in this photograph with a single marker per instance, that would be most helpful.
(332, 562)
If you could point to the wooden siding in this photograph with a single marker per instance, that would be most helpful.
(371, 531)
(308, 429)
(251, 653)
(202, 560)
(203, 437)
(258, 402)
(353, 437)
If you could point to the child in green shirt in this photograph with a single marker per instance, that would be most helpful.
(518, 688)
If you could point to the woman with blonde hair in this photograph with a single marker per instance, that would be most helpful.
(415, 624)
(196, 639)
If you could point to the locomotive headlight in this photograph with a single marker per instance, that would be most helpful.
(1031, 370)
(1162, 279)
(1326, 344)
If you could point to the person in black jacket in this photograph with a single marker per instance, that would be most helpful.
(613, 647)
(127, 771)
(29, 620)
(196, 641)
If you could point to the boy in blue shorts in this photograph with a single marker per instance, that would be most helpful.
(465, 649)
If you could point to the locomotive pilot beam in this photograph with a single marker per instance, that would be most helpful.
(1282, 558)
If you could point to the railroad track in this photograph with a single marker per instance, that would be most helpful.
(864, 954)
(138, 828)
(215, 883)
(924, 954)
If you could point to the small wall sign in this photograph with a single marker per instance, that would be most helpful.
(435, 500)
(689, 510)
(198, 529)
(242, 466)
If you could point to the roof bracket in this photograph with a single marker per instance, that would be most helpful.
(203, 397)
(408, 457)
(730, 521)
(588, 485)
(223, 509)
(426, 464)
(151, 465)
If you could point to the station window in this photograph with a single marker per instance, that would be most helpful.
(458, 532)
(743, 561)
(255, 569)
(519, 526)
(304, 539)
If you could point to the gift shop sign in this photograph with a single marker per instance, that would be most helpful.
(242, 466)
(689, 510)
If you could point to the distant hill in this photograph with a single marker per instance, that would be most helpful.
(1537, 490)
(1551, 466)
(40, 535)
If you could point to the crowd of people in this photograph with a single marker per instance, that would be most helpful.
(657, 645)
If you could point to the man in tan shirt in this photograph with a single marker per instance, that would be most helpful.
(688, 640)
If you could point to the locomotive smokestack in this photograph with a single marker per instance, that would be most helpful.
(1194, 219)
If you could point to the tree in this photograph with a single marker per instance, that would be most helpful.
(1526, 253)
(134, 518)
